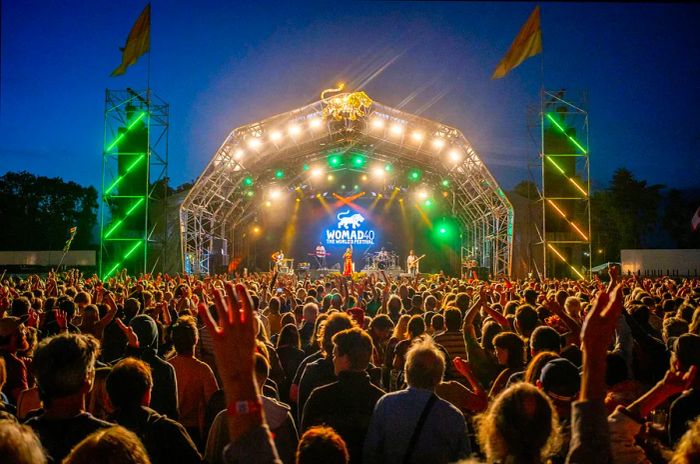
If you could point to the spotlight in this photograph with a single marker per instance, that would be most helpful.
(335, 160)
(445, 183)
(274, 194)
(378, 171)
(388, 167)
(455, 155)
(279, 174)
(294, 130)
(356, 187)
(256, 229)
(397, 129)
(315, 123)
(364, 177)
(275, 136)
(330, 177)
(238, 154)
(438, 143)
(417, 136)
(248, 181)
(254, 143)
(377, 123)
(268, 203)
(422, 194)
(358, 160)
(316, 172)
(414, 174)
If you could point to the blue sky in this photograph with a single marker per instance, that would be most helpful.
(224, 64)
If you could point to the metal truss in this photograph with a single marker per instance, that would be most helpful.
(566, 253)
(217, 207)
(119, 106)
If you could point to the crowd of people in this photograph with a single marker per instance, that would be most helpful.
(267, 368)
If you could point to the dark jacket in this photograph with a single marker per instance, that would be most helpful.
(316, 374)
(345, 405)
(58, 436)
(165, 440)
(164, 393)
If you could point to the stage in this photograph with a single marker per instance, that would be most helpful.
(346, 173)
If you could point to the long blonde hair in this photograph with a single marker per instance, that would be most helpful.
(401, 329)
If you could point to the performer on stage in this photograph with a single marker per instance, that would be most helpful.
(278, 258)
(321, 256)
(412, 263)
(347, 262)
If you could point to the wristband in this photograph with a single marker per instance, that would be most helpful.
(240, 408)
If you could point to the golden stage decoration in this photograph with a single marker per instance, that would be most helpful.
(349, 106)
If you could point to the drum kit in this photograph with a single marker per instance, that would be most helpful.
(382, 260)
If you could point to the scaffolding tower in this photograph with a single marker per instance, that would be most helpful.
(133, 201)
(565, 234)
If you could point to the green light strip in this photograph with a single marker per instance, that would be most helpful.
(128, 253)
(128, 170)
(129, 127)
(121, 221)
(581, 189)
(563, 131)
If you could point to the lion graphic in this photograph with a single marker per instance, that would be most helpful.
(354, 220)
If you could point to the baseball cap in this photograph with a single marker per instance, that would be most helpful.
(560, 379)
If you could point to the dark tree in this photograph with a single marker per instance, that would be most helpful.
(37, 212)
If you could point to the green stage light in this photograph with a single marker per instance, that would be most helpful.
(248, 181)
(428, 203)
(356, 187)
(126, 256)
(388, 167)
(335, 160)
(139, 117)
(445, 183)
(249, 193)
(358, 161)
(279, 174)
(414, 174)
(444, 230)
(306, 167)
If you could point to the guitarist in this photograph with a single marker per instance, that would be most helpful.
(412, 263)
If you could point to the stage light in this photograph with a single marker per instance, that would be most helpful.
(379, 195)
(305, 167)
(275, 136)
(417, 136)
(455, 155)
(364, 177)
(316, 172)
(438, 143)
(330, 177)
(378, 172)
(397, 129)
(388, 167)
(428, 203)
(256, 229)
(238, 154)
(254, 143)
(298, 200)
(139, 117)
(445, 194)
(445, 183)
(279, 174)
(248, 181)
(414, 174)
(377, 123)
(342, 187)
(356, 187)
(268, 203)
(335, 160)
(275, 194)
(422, 194)
(249, 193)
(294, 130)
(315, 123)
(358, 160)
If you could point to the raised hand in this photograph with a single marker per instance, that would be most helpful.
(233, 337)
(61, 319)
(130, 334)
(675, 382)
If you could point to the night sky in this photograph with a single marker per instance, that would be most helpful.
(224, 64)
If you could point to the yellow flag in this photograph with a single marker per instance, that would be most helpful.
(527, 43)
(138, 42)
